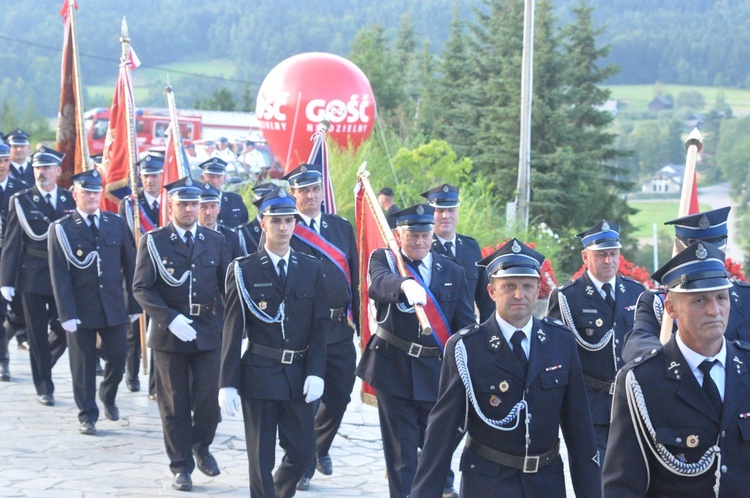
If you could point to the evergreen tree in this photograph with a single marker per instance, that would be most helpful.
(371, 52)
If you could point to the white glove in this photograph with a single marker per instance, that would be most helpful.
(229, 400)
(313, 388)
(134, 318)
(414, 292)
(70, 325)
(8, 293)
(180, 327)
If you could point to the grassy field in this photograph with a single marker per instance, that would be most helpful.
(637, 97)
(650, 212)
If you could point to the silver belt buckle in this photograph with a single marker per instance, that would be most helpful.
(287, 356)
(530, 464)
(611, 388)
(195, 310)
(415, 350)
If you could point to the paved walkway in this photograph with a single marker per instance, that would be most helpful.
(42, 453)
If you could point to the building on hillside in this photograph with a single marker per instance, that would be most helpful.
(668, 180)
(660, 103)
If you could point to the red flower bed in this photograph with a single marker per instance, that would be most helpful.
(627, 269)
(548, 280)
(735, 270)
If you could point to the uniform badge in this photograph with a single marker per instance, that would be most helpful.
(200, 236)
(282, 193)
(622, 289)
(541, 336)
(445, 188)
(605, 226)
(303, 169)
(515, 247)
(420, 210)
(36, 198)
(504, 386)
(189, 182)
(62, 198)
(703, 223)
(324, 224)
(170, 271)
(599, 322)
(495, 342)
(173, 236)
(256, 229)
(701, 252)
(589, 290)
(79, 253)
(692, 441)
(589, 332)
(438, 266)
(495, 401)
(262, 305)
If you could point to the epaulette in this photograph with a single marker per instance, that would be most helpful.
(336, 216)
(302, 254)
(469, 330)
(567, 284)
(630, 279)
(644, 357)
(740, 283)
(553, 321)
(467, 237)
(741, 344)
(63, 218)
(158, 229)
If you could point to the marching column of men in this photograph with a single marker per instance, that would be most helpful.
(330, 239)
(283, 350)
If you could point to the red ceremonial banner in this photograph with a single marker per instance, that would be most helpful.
(67, 140)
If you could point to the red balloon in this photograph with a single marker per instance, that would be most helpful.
(303, 90)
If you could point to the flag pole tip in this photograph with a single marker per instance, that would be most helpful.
(362, 171)
(695, 138)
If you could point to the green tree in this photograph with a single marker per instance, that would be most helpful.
(371, 52)
(221, 100)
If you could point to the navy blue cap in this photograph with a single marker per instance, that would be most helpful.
(513, 259)
(17, 137)
(214, 166)
(604, 235)
(223, 140)
(304, 175)
(710, 226)
(209, 193)
(262, 189)
(278, 202)
(184, 189)
(47, 157)
(444, 196)
(97, 158)
(152, 162)
(249, 142)
(697, 268)
(4, 150)
(89, 180)
(419, 217)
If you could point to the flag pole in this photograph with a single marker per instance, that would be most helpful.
(132, 152)
(693, 145)
(80, 129)
(175, 130)
(372, 199)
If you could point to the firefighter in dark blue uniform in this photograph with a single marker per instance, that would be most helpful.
(463, 249)
(24, 268)
(207, 217)
(179, 280)
(92, 250)
(8, 187)
(599, 318)
(681, 413)
(249, 232)
(341, 278)
(400, 362)
(233, 211)
(709, 227)
(151, 167)
(276, 298)
(512, 383)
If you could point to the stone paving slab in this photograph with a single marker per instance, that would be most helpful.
(43, 455)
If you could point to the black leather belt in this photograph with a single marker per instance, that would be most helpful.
(35, 252)
(411, 348)
(285, 356)
(338, 314)
(529, 464)
(194, 309)
(598, 385)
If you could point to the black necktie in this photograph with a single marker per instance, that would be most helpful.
(48, 198)
(449, 248)
(415, 263)
(92, 224)
(312, 225)
(607, 289)
(189, 240)
(155, 206)
(282, 271)
(709, 386)
(518, 351)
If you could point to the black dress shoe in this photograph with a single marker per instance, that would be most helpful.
(133, 384)
(450, 493)
(112, 412)
(87, 428)
(206, 463)
(303, 484)
(182, 482)
(4, 373)
(324, 465)
(46, 399)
